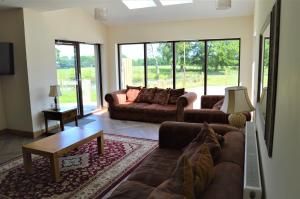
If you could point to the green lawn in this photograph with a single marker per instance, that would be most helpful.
(68, 88)
(192, 78)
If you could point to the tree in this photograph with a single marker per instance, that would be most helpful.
(190, 54)
(87, 61)
(222, 54)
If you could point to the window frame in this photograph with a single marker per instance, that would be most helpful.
(173, 44)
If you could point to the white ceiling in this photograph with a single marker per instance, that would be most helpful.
(119, 14)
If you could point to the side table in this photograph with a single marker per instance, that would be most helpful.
(63, 115)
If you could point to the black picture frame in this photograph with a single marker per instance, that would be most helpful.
(274, 21)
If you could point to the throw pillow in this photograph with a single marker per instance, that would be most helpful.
(201, 138)
(175, 94)
(180, 185)
(218, 105)
(161, 96)
(132, 92)
(146, 95)
(212, 141)
(203, 168)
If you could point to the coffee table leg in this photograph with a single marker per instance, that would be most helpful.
(100, 142)
(55, 168)
(27, 161)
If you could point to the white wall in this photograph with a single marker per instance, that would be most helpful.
(41, 30)
(40, 65)
(15, 91)
(281, 172)
(237, 27)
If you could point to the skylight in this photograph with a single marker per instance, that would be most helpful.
(136, 4)
(174, 2)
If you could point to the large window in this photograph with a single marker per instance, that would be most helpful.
(223, 61)
(201, 66)
(159, 65)
(132, 65)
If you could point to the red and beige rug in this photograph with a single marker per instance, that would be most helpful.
(84, 173)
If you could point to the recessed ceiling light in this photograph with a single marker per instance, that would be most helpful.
(174, 2)
(136, 4)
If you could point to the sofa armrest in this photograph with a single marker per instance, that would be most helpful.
(177, 135)
(186, 99)
(208, 101)
(115, 98)
(205, 115)
(184, 102)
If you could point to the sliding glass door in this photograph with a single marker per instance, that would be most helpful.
(67, 75)
(78, 74)
(89, 77)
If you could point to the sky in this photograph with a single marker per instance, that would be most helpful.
(136, 51)
(68, 50)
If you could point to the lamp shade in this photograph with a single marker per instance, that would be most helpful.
(54, 91)
(236, 100)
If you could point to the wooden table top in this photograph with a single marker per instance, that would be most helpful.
(65, 139)
(61, 110)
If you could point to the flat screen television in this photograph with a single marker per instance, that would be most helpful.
(6, 58)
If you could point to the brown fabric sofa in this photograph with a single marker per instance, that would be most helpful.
(207, 113)
(173, 137)
(120, 108)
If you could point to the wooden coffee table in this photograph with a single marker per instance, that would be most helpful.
(59, 144)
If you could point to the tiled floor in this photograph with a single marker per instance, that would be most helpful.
(10, 145)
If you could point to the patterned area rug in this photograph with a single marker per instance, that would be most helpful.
(84, 173)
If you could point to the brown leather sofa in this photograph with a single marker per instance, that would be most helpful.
(121, 109)
(173, 137)
(208, 113)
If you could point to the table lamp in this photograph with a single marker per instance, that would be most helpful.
(236, 102)
(55, 92)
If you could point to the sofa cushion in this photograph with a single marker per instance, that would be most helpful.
(131, 106)
(131, 189)
(132, 92)
(146, 95)
(160, 109)
(227, 183)
(203, 166)
(180, 185)
(231, 150)
(218, 105)
(161, 96)
(175, 94)
(156, 168)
